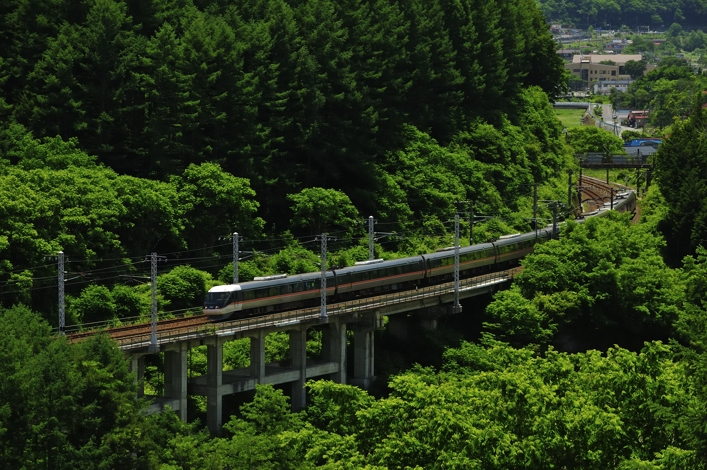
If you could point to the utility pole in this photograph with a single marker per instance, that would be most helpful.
(611, 190)
(457, 308)
(371, 234)
(322, 295)
(154, 347)
(62, 317)
(535, 209)
(579, 190)
(569, 189)
(471, 223)
(471, 218)
(554, 219)
(236, 239)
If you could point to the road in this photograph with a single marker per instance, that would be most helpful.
(607, 112)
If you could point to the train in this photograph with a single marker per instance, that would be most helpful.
(270, 294)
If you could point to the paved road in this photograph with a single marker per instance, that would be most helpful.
(607, 112)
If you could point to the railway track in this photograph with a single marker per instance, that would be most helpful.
(193, 324)
(595, 193)
(144, 328)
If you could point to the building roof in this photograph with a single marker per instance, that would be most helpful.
(620, 59)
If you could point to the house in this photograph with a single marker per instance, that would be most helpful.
(622, 115)
(567, 54)
(638, 118)
(604, 87)
(617, 45)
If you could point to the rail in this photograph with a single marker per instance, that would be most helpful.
(292, 317)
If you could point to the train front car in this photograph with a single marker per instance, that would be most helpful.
(625, 201)
(267, 294)
(222, 301)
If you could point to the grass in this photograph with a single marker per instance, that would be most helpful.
(569, 117)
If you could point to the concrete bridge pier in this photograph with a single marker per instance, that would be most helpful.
(298, 358)
(364, 349)
(137, 366)
(334, 348)
(175, 377)
(214, 381)
(257, 356)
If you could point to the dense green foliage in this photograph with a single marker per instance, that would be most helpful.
(489, 406)
(594, 140)
(603, 283)
(61, 405)
(680, 173)
(667, 91)
(613, 14)
(135, 127)
(132, 127)
(290, 95)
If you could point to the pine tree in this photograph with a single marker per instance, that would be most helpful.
(436, 90)
(167, 108)
(51, 103)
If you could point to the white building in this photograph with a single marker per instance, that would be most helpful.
(604, 87)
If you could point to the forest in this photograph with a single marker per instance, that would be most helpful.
(164, 126)
(613, 14)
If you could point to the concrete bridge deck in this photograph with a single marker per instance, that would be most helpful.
(362, 316)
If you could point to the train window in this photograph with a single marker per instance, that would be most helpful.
(249, 295)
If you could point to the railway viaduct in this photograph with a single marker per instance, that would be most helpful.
(362, 317)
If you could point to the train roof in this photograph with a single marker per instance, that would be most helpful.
(271, 282)
(379, 265)
(226, 288)
(515, 239)
(462, 251)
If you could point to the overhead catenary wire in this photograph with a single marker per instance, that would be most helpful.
(209, 261)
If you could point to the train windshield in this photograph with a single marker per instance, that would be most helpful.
(217, 299)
